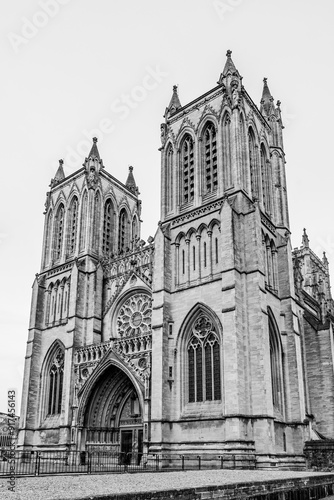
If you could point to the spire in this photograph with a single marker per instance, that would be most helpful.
(174, 104)
(229, 68)
(94, 152)
(130, 182)
(267, 100)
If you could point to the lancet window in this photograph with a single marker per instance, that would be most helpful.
(210, 158)
(187, 169)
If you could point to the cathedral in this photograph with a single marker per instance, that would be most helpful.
(215, 335)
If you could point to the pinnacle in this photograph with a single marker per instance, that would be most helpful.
(267, 100)
(94, 152)
(175, 103)
(130, 182)
(229, 68)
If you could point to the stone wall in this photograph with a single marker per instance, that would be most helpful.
(320, 455)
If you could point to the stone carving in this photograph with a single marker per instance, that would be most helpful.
(163, 133)
(134, 317)
(92, 178)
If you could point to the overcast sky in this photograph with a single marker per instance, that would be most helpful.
(73, 69)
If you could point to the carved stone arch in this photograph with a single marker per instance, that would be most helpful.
(186, 125)
(169, 144)
(109, 194)
(212, 223)
(179, 237)
(208, 113)
(124, 203)
(264, 144)
(61, 200)
(74, 191)
(226, 112)
(202, 227)
(276, 153)
(183, 133)
(74, 194)
(224, 108)
(205, 119)
(253, 131)
(87, 390)
(190, 232)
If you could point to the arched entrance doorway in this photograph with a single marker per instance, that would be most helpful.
(113, 419)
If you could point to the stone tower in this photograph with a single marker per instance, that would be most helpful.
(213, 337)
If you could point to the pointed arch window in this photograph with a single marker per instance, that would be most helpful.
(73, 224)
(48, 237)
(107, 226)
(264, 179)
(55, 383)
(97, 218)
(275, 364)
(135, 235)
(210, 158)
(59, 232)
(169, 178)
(203, 351)
(253, 164)
(187, 169)
(83, 226)
(122, 234)
(227, 154)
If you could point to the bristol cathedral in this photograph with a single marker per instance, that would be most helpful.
(214, 336)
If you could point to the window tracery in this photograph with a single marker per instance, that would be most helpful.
(55, 386)
(203, 350)
(134, 317)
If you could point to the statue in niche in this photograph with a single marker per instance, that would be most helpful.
(92, 178)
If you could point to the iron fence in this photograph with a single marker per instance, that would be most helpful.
(36, 463)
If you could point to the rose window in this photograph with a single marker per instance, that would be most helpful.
(134, 317)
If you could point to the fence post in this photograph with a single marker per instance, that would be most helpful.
(199, 462)
(182, 462)
(37, 463)
(233, 461)
(156, 462)
(221, 462)
(89, 463)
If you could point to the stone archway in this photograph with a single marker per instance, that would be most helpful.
(113, 418)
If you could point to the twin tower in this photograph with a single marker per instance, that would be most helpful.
(209, 337)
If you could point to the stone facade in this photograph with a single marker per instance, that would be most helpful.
(212, 337)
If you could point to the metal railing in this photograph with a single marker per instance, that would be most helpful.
(36, 463)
